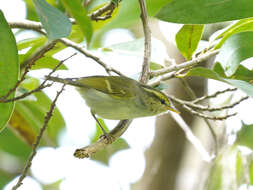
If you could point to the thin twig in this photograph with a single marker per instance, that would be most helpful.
(108, 9)
(37, 27)
(213, 95)
(161, 78)
(37, 142)
(207, 108)
(193, 96)
(40, 87)
(28, 66)
(38, 54)
(79, 48)
(186, 64)
(188, 106)
(211, 109)
(208, 116)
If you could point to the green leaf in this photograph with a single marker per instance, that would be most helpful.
(155, 66)
(48, 63)
(242, 73)
(9, 68)
(76, 9)
(208, 73)
(245, 136)
(136, 48)
(13, 145)
(30, 10)
(204, 72)
(204, 12)
(215, 178)
(251, 173)
(240, 26)
(105, 154)
(239, 168)
(6, 177)
(53, 186)
(236, 49)
(56, 24)
(188, 38)
(30, 83)
(76, 34)
(31, 42)
(34, 112)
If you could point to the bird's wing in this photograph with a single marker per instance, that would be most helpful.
(113, 85)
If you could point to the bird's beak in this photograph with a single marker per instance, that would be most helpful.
(171, 109)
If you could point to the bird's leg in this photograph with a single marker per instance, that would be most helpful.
(105, 135)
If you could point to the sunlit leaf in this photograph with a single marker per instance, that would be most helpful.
(251, 173)
(9, 68)
(30, 83)
(31, 42)
(239, 168)
(240, 26)
(48, 62)
(155, 66)
(224, 169)
(242, 73)
(56, 24)
(30, 10)
(76, 34)
(208, 73)
(245, 135)
(188, 38)
(53, 186)
(204, 12)
(236, 49)
(214, 180)
(76, 9)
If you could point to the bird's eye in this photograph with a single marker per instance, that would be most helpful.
(162, 101)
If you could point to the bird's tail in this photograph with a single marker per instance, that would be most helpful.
(68, 81)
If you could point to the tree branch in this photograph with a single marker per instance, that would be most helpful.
(213, 95)
(38, 54)
(108, 9)
(37, 142)
(186, 64)
(147, 44)
(79, 48)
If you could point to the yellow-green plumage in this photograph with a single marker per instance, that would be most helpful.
(117, 97)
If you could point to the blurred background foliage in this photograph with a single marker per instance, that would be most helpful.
(221, 25)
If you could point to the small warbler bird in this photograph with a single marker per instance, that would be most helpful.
(118, 97)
